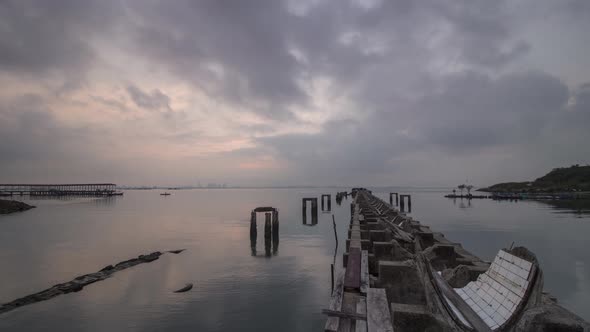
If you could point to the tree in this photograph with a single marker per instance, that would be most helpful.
(469, 187)
(461, 187)
(454, 192)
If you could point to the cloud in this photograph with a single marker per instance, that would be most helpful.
(155, 100)
(295, 92)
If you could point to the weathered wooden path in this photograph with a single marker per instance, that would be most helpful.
(399, 275)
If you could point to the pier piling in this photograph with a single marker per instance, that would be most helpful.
(271, 229)
(314, 210)
(253, 233)
(267, 233)
(329, 200)
(396, 199)
(275, 231)
(402, 202)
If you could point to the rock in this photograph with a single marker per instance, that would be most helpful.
(9, 206)
(178, 251)
(186, 288)
(78, 283)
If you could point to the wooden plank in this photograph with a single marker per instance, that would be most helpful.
(361, 309)
(467, 312)
(335, 304)
(378, 316)
(352, 277)
(364, 271)
(349, 306)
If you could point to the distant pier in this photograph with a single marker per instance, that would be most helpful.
(82, 189)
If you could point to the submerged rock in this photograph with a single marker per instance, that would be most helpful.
(186, 288)
(78, 283)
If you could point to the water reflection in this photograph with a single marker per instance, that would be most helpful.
(463, 204)
(577, 207)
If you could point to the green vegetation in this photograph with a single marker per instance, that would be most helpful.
(565, 179)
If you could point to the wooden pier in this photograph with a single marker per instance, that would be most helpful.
(84, 189)
(401, 276)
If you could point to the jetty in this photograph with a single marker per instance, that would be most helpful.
(84, 189)
(399, 275)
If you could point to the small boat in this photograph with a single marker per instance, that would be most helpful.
(165, 194)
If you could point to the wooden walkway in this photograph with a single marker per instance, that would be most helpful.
(355, 306)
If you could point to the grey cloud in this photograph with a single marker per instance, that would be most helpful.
(240, 53)
(471, 115)
(155, 100)
(243, 40)
(474, 111)
(36, 146)
(39, 36)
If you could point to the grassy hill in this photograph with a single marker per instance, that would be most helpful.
(565, 179)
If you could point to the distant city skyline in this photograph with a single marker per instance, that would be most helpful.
(283, 93)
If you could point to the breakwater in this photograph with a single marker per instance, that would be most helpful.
(399, 275)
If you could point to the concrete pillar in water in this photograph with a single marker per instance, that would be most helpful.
(253, 233)
(329, 200)
(396, 199)
(304, 211)
(275, 231)
(314, 211)
(403, 202)
(267, 233)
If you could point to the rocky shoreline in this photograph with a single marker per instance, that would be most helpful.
(10, 206)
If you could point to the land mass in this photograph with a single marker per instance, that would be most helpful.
(565, 179)
(8, 206)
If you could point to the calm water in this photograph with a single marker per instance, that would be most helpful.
(234, 290)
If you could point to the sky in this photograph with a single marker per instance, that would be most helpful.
(292, 92)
